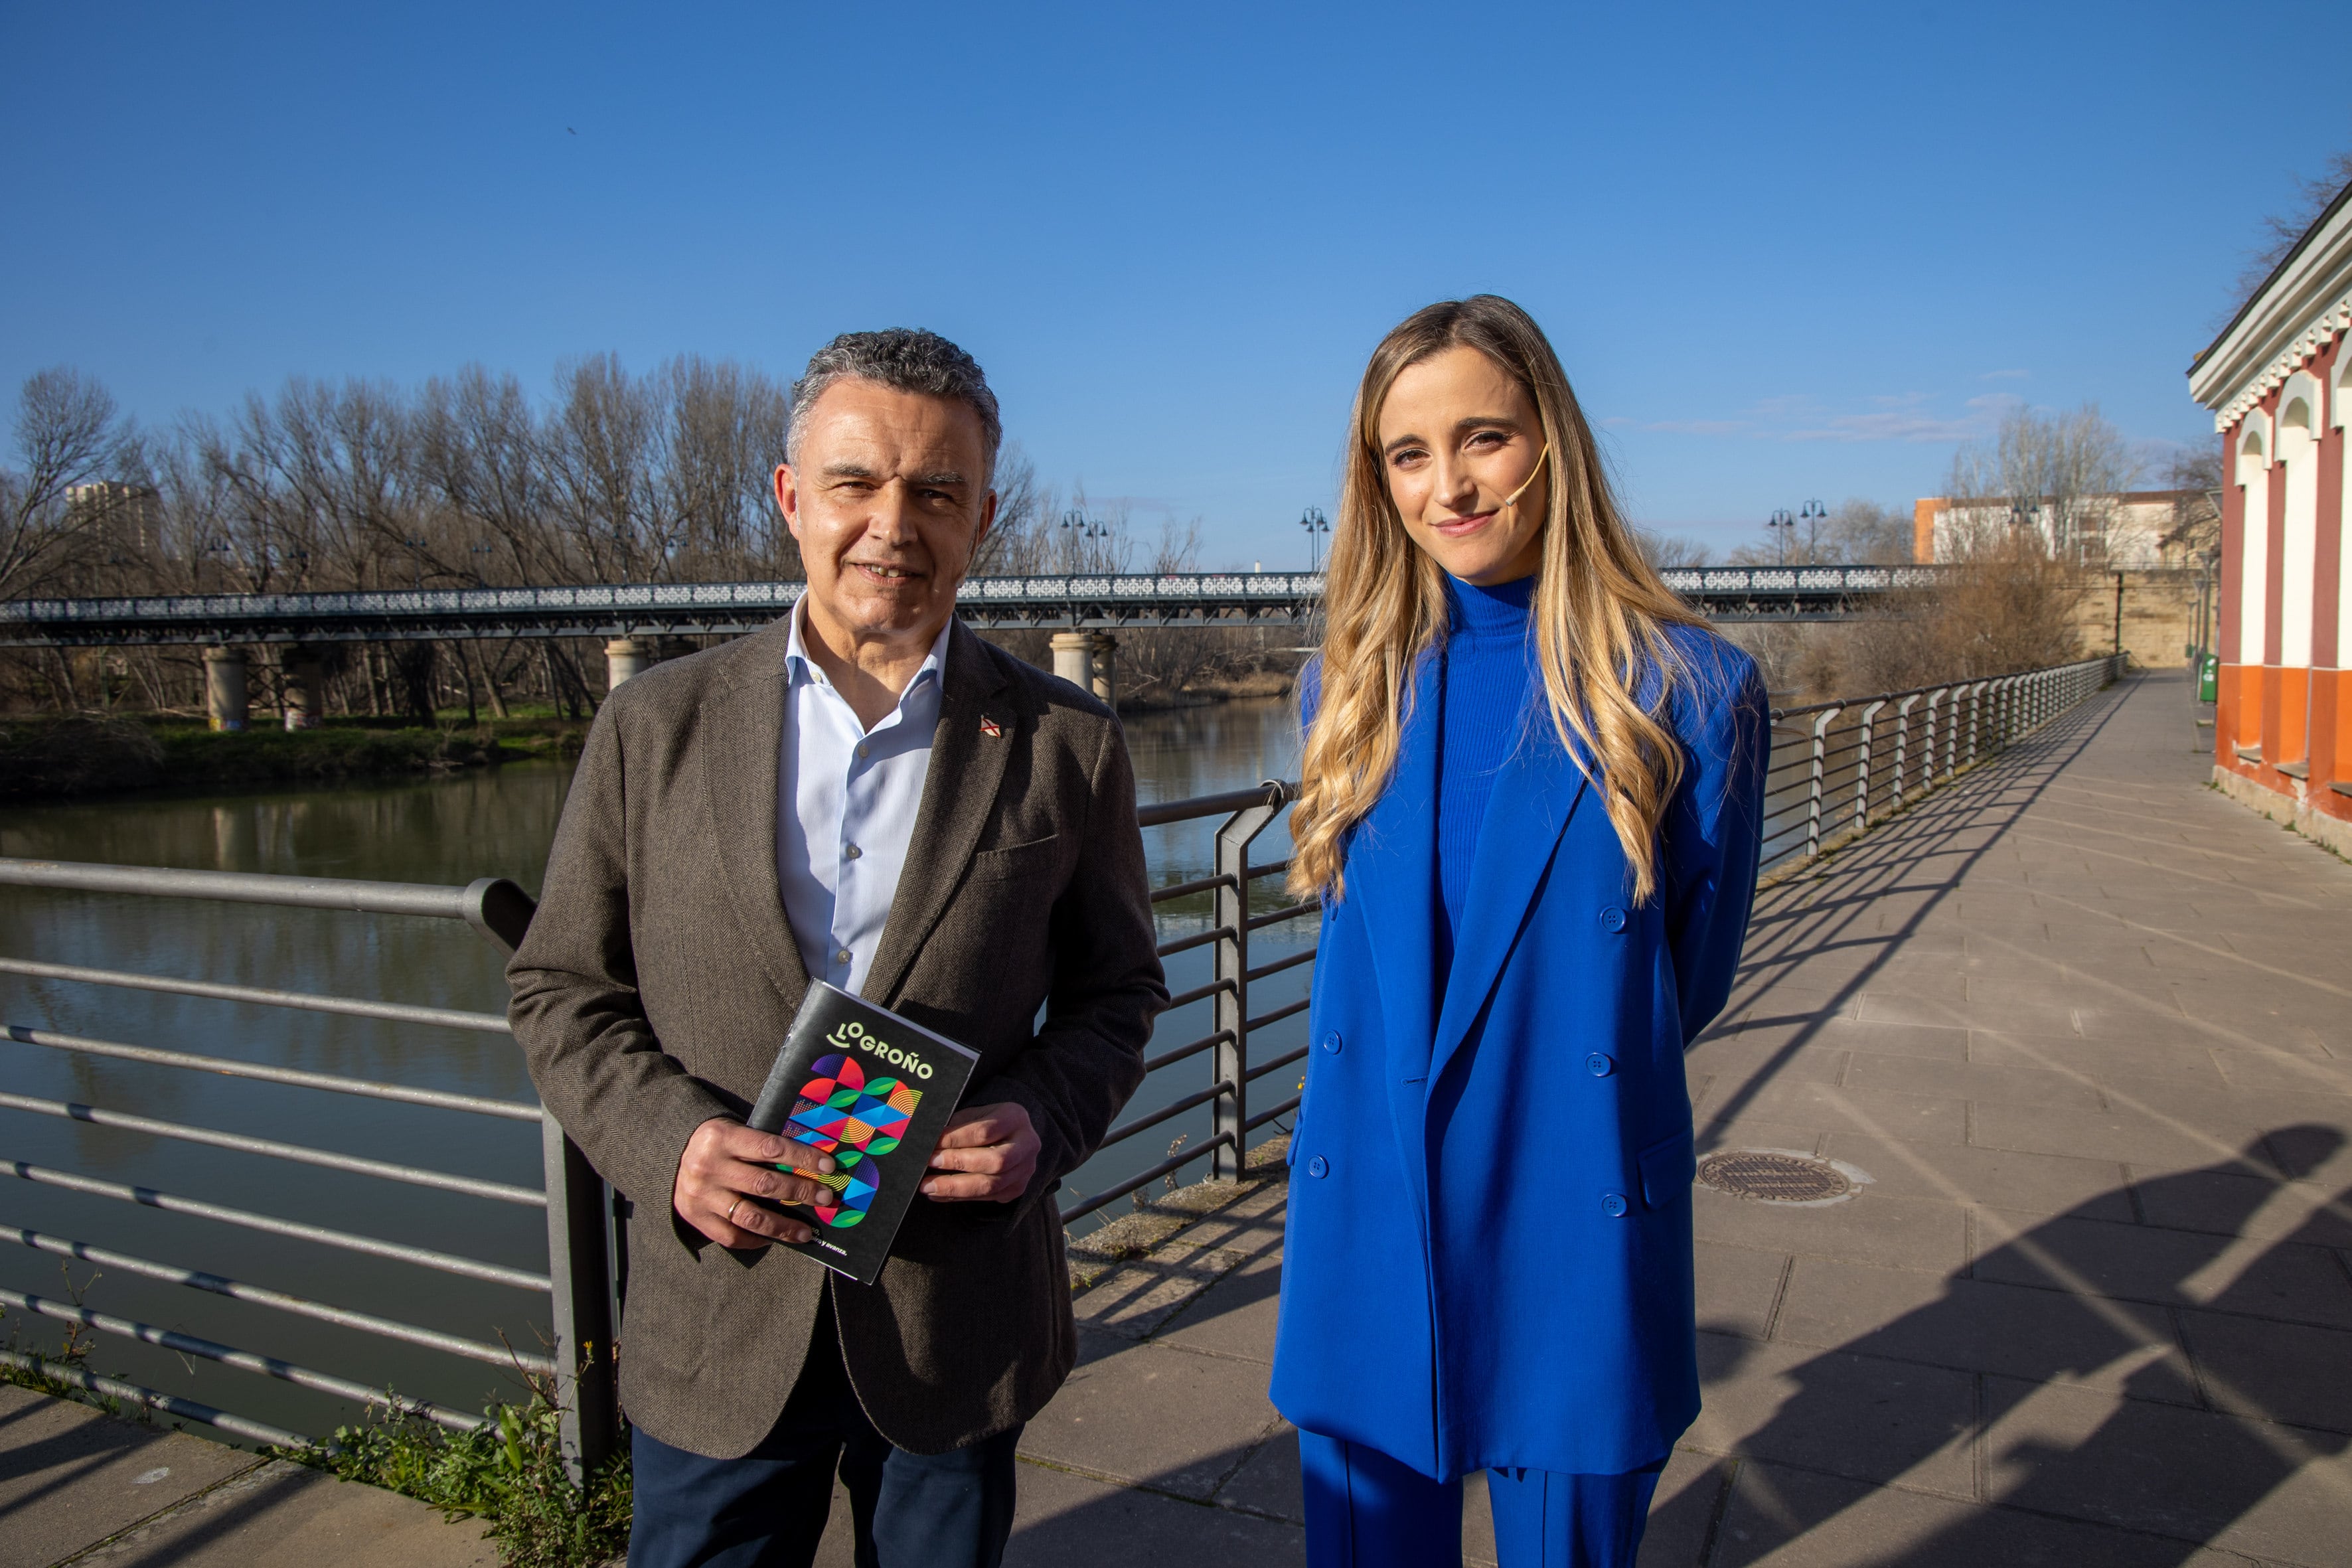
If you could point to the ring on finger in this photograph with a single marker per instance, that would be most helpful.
(733, 1207)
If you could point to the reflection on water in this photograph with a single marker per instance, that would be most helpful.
(452, 830)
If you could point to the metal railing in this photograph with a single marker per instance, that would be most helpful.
(580, 1278)
(1838, 767)
(1248, 814)
(1851, 764)
(1055, 598)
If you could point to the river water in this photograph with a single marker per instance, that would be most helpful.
(493, 823)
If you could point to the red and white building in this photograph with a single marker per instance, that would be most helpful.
(2279, 381)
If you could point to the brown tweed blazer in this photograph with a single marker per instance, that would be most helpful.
(659, 976)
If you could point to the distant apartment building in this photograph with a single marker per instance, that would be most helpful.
(2133, 530)
(2280, 386)
(128, 518)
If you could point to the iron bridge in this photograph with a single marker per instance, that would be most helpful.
(1103, 601)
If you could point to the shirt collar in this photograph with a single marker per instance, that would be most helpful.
(799, 666)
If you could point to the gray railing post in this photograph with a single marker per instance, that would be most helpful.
(1229, 1061)
(1976, 712)
(1814, 794)
(581, 1268)
(1902, 743)
(1952, 732)
(1862, 767)
(1928, 760)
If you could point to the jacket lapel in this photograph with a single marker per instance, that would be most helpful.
(742, 766)
(1393, 878)
(1535, 795)
(959, 796)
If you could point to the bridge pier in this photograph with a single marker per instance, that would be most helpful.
(225, 703)
(1090, 661)
(625, 657)
(305, 678)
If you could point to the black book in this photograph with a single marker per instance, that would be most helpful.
(874, 1091)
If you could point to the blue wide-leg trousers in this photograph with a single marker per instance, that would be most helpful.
(1365, 1510)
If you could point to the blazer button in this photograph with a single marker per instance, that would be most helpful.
(1599, 1065)
(1331, 1042)
(1613, 1204)
(1612, 919)
(1319, 1166)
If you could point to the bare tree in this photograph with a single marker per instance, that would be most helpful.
(722, 434)
(599, 456)
(2059, 474)
(1864, 533)
(1664, 549)
(68, 434)
(2194, 475)
(2282, 230)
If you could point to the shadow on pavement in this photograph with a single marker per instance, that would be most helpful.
(2193, 1444)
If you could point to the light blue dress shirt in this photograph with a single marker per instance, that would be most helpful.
(845, 802)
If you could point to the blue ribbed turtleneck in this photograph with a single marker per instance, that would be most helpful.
(1490, 661)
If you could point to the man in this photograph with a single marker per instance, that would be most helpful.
(869, 794)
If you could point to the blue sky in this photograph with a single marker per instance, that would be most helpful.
(1785, 251)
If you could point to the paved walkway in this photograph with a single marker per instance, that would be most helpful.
(81, 1487)
(2081, 1021)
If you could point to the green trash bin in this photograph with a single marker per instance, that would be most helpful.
(2209, 678)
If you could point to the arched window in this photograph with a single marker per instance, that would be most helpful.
(2300, 401)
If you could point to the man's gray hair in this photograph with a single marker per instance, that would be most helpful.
(905, 360)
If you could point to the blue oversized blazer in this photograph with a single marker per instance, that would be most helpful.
(1488, 1251)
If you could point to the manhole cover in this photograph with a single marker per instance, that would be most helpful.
(1770, 1178)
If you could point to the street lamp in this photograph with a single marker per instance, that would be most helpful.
(1780, 522)
(1077, 531)
(1814, 513)
(1314, 522)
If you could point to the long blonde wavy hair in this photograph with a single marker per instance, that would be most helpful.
(1599, 613)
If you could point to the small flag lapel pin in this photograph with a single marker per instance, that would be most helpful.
(990, 728)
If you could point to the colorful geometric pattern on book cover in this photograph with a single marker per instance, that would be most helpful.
(856, 1120)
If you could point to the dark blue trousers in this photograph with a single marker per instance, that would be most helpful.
(768, 1508)
(1364, 1510)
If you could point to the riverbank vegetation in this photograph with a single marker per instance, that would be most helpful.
(469, 481)
(51, 757)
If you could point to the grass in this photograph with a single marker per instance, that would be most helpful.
(509, 1474)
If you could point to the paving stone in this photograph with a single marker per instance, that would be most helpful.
(2282, 1071)
(2242, 1204)
(71, 1476)
(1069, 1520)
(1737, 1288)
(1683, 1511)
(1860, 1416)
(2274, 1372)
(2023, 1018)
(284, 1515)
(1878, 1112)
(2117, 1133)
(2049, 1184)
(1755, 1132)
(1235, 1317)
(1135, 1299)
(1982, 1083)
(1150, 1413)
(2104, 1060)
(2271, 1491)
(2280, 1281)
(1896, 1233)
(1783, 1518)
(1976, 1325)
(1267, 1480)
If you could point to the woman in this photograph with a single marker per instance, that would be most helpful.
(1532, 790)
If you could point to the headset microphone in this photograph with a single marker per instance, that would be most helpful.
(1533, 474)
